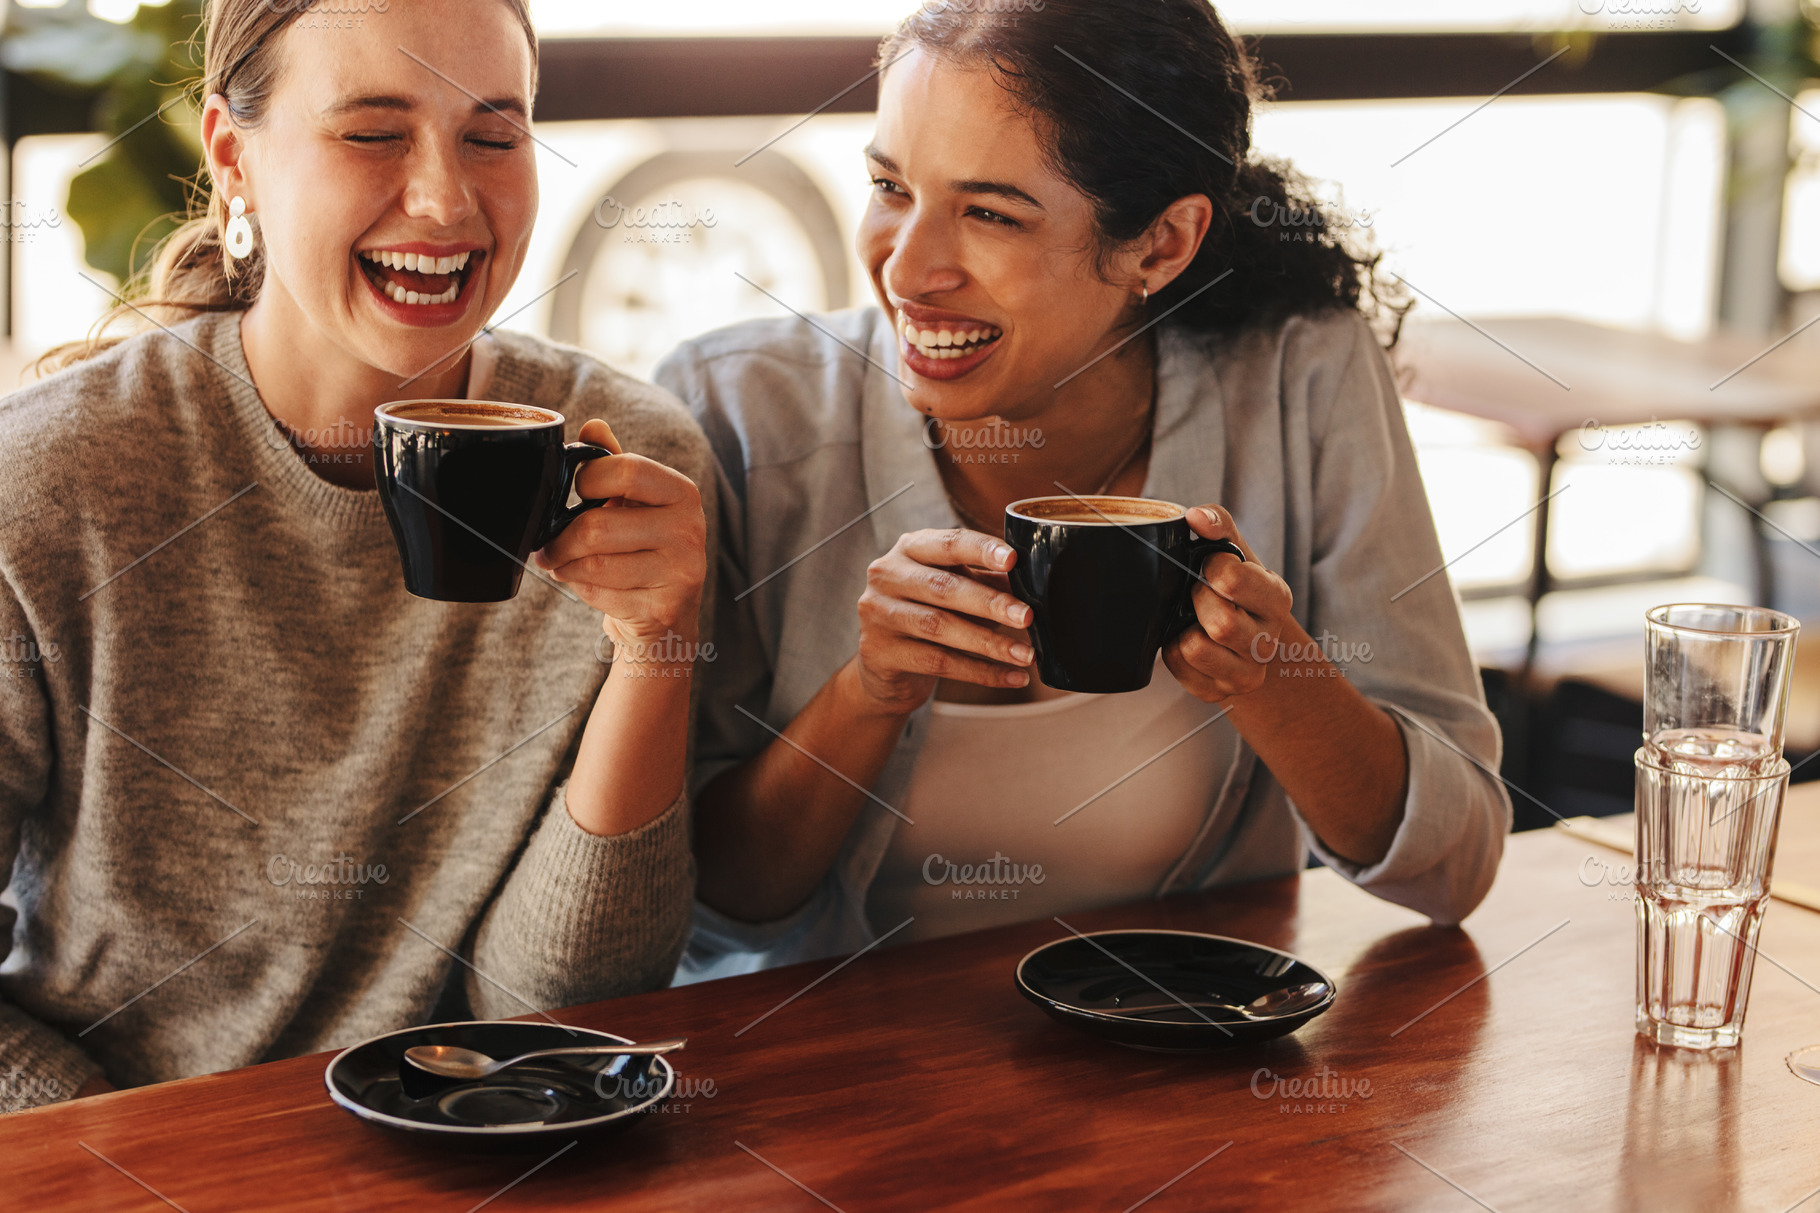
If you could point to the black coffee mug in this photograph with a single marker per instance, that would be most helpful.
(1108, 581)
(472, 488)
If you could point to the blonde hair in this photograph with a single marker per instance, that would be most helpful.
(191, 271)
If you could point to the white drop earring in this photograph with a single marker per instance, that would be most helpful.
(239, 231)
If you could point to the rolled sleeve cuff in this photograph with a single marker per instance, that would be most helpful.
(1445, 852)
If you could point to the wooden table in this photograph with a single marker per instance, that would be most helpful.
(1501, 1057)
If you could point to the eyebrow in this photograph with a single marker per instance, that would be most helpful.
(996, 189)
(509, 105)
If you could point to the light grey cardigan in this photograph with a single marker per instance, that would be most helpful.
(1296, 429)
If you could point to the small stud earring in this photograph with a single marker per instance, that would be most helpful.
(239, 231)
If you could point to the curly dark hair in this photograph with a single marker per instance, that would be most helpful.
(1142, 102)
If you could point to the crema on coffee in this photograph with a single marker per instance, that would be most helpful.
(470, 412)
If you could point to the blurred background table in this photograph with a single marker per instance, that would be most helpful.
(1545, 377)
(1501, 1059)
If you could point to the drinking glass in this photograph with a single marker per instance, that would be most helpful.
(1716, 693)
(1705, 848)
(1710, 784)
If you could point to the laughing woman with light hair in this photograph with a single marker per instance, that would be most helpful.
(487, 819)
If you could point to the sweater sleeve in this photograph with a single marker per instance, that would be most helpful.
(38, 1064)
(1382, 607)
(584, 917)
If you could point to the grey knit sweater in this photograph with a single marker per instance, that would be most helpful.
(257, 800)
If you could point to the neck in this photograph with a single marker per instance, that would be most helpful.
(1091, 429)
(323, 396)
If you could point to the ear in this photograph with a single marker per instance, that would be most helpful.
(225, 150)
(1172, 242)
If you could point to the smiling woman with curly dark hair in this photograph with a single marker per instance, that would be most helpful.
(1085, 282)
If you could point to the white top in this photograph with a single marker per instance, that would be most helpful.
(1030, 810)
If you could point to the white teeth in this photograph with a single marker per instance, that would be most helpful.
(423, 264)
(399, 294)
(945, 343)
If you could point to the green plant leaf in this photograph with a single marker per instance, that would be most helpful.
(113, 203)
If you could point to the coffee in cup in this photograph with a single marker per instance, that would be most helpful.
(1108, 581)
(472, 488)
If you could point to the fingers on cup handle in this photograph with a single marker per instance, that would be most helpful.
(1212, 522)
(599, 433)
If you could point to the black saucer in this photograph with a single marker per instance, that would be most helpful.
(1085, 981)
(533, 1106)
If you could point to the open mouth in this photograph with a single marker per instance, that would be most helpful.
(947, 340)
(419, 280)
(945, 347)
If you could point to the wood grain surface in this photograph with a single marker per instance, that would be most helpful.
(1495, 1063)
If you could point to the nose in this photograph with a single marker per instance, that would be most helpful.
(924, 259)
(437, 189)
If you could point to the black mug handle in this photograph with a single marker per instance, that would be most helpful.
(561, 512)
(1199, 550)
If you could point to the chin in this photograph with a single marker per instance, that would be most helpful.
(415, 357)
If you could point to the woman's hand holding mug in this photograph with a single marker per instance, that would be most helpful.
(1241, 612)
(936, 606)
(641, 558)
